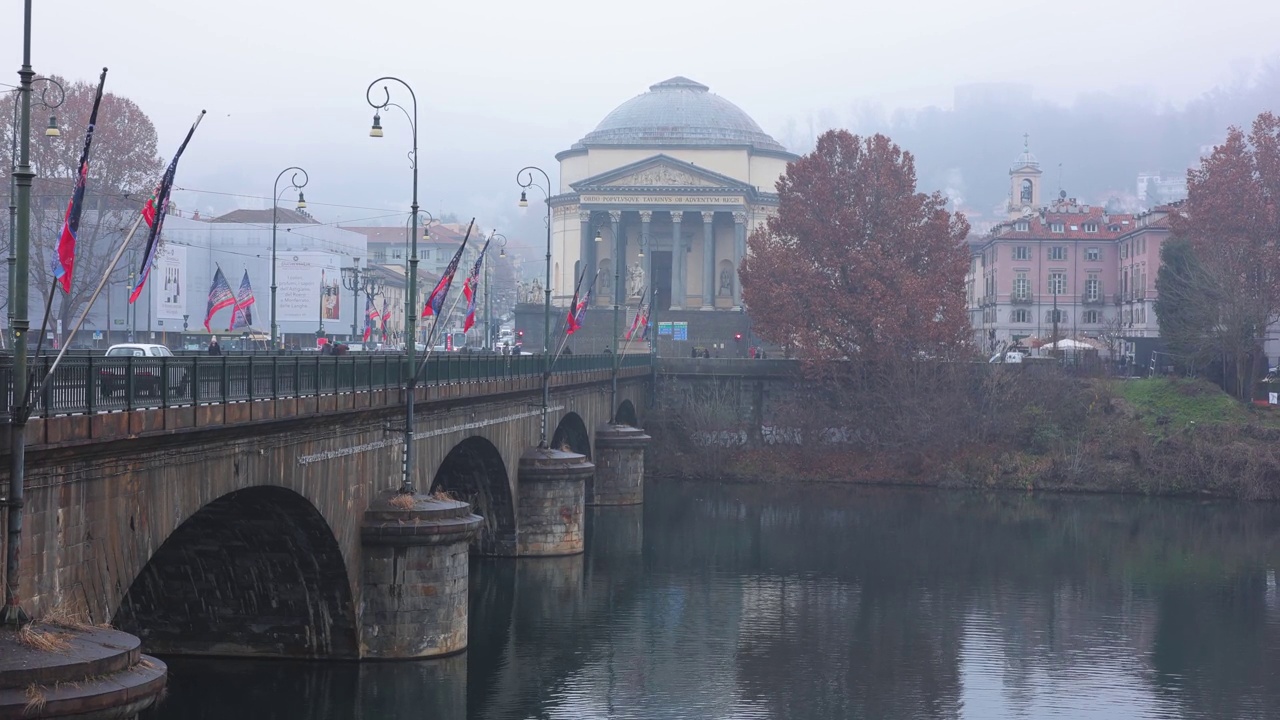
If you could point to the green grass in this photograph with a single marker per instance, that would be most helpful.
(1169, 404)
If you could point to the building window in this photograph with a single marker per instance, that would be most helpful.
(1057, 227)
(1092, 288)
(1057, 283)
(1022, 252)
(1058, 252)
(397, 254)
(1093, 254)
(1021, 286)
(1022, 226)
(1091, 227)
(1021, 315)
(1058, 316)
(1124, 250)
(1091, 317)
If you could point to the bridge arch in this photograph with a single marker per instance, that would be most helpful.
(572, 433)
(255, 572)
(626, 414)
(473, 471)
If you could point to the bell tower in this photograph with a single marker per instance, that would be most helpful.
(1024, 182)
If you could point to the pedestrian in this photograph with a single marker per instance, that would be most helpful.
(706, 353)
(214, 347)
(694, 352)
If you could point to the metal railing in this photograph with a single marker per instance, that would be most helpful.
(87, 384)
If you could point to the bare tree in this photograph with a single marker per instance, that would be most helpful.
(123, 168)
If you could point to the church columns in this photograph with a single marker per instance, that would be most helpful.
(708, 260)
(647, 249)
(619, 258)
(739, 251)
(587, 244)
(679, 263)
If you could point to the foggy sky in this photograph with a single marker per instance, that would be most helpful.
(502, 84)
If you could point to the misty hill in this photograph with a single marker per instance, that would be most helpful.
(1102, 141)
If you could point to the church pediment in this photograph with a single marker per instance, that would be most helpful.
(661, 176)
(660, 172)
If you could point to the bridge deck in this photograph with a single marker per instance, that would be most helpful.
(92, 399)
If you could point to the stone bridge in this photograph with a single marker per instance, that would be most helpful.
(271, 526)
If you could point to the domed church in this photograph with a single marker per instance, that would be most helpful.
(670, 183)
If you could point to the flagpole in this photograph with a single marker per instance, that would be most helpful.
(84, 314)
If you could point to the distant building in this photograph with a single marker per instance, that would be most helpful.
(309, 261)
(1048, 267)
(1155, 189)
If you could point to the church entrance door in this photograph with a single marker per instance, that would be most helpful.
(662, 279)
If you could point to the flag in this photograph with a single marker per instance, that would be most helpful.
(219, 297)
(153, 212)
(469, 288)
(436, 300)
(65, 262)
(578, 311)
(370, 318)
(641, 321)
(242, 316)
(571, 318)
(386, 315)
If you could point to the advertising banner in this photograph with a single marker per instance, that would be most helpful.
(309, 284)
(170, 277)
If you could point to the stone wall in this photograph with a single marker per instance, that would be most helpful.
(707, 329)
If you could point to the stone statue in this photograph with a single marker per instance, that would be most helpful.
(535, 291)
(635, 279)
(726, 282)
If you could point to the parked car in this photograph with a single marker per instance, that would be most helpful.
(147, 378)
(1012, 356)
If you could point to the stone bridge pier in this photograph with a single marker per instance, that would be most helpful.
(287, 538)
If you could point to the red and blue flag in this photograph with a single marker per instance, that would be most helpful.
(65, 262)
(219, 297)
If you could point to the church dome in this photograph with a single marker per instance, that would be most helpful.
(679, 111)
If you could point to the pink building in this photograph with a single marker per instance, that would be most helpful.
(1066, 266)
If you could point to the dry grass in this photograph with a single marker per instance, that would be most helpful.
(42, 640)
(65, 616)
(35, 700)
(442, 495)
(403, 501)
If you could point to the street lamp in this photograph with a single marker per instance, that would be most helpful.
(525, 178)
(501, 241)
(52, 103)
(411, 295)
(357, 282)
(275, 203)
(427, 222)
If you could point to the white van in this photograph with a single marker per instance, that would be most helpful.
(1012, 356)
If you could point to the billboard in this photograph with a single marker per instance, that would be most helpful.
(308, 284)
(170, 277)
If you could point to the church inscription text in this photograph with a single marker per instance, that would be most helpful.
(661, 200)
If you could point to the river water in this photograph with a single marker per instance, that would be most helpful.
(833, 602)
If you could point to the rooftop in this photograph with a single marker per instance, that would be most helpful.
(284, 216)
(679, 111)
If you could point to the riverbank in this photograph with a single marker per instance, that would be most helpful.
(1155, 436)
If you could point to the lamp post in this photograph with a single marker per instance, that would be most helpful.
(51, 130)
(275, 202)
(526, 180)
(357, 282)
(411, 303)
(411, 295)
(488, 289)
(617, 328)
(12, 613)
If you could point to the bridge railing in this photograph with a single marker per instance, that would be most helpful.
(85, 384)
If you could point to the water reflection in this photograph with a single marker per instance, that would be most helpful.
(832, 602)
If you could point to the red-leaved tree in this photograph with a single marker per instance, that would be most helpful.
(1232, 221)
(857, 264)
